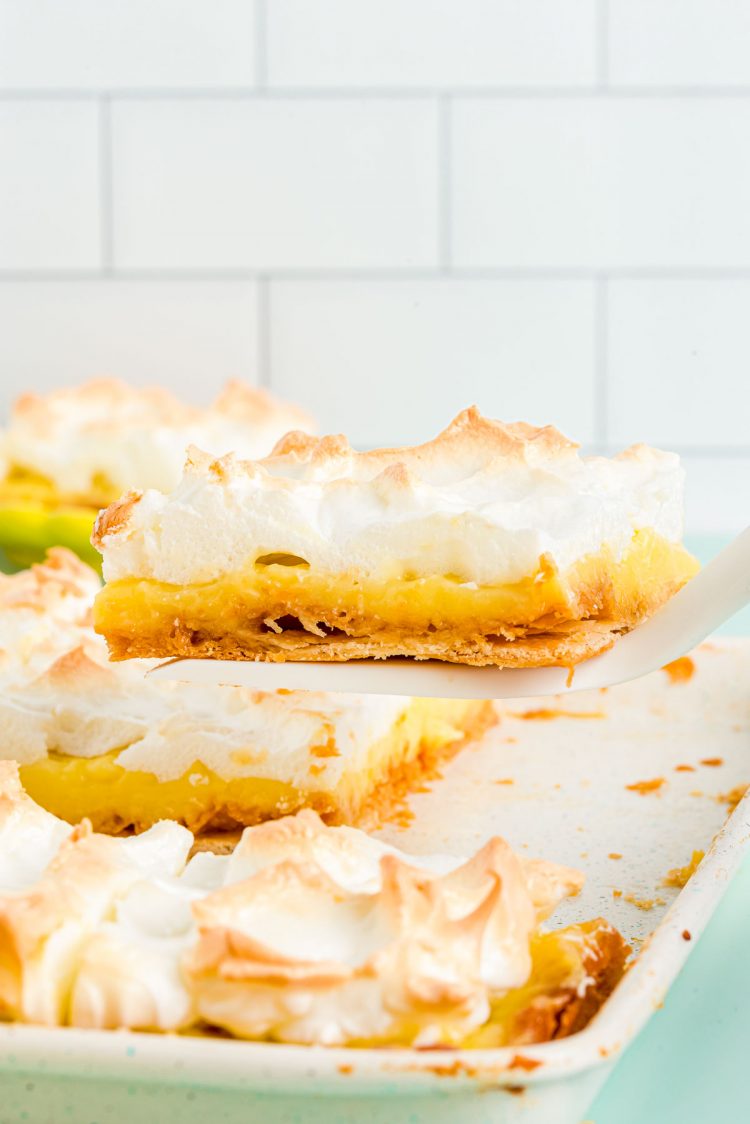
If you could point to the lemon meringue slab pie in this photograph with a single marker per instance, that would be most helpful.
(102, 741)
(493, 544)
(304, 933)
(66, 454)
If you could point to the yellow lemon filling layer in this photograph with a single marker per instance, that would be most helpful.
(34, 517)
(116, 799)
(22, 485)
(552, 1002)
(275, 594)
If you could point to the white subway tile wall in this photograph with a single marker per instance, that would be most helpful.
(680, 362)
(679, 42)
(50, 209)
(430, 43)
(601, 183)
(282, 184)
(120, 44)
(391, 359)
(389, 209)
(187, 334)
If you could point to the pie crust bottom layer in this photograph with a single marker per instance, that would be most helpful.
(116, 799)
(280, 609)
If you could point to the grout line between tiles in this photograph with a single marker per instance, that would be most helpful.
(376, 93)
(531, 274)
(601, 376)
(106, 220)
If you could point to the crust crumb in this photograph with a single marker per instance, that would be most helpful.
(645, 787)
(733, 797)
(679, 876)
(389, 802)
(521, 1062)
(643, 903)
(546, 714)
(681, 670)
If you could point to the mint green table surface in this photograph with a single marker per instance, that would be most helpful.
(690, 1064)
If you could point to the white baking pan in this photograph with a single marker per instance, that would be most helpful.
(568, 802)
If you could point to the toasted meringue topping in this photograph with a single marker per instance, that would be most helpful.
(129, 974)
(106, 431)
(484, 501)
(306, 934)
(330, 936)
(39, 607)
(43, 928)
(30, 837)
(81, 707)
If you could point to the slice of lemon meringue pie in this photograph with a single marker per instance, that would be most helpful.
(304, 934)
(68, 453)
(493, 544)
(102, 741)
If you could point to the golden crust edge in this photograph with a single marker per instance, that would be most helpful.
(385, 799)
(563, 649)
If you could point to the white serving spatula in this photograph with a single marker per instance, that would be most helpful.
(720, 590)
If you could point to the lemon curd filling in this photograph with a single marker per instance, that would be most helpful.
(140, 616)
(116, 798)
(34, 516)
(591, 953)
(573, 970)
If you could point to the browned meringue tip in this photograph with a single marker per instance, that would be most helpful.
(113, 518)
(106, 399)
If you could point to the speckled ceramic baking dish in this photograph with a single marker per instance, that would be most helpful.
(561, 780)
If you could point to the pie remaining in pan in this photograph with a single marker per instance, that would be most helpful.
(304, 933)
(101, 741)
(493, 544)
(66, 454)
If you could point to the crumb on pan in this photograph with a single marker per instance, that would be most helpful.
(733, 797)
(679, 876)
(546, 714)
(643, 788)
(681, 670)
(643, 903)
